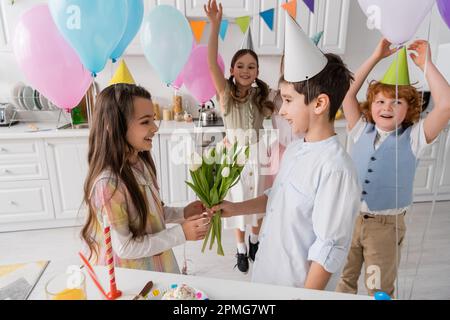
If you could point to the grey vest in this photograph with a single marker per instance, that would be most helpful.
(385, 185)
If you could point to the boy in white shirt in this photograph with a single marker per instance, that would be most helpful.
(311, 208)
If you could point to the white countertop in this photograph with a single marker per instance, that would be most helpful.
(26, 130)
(131, 282)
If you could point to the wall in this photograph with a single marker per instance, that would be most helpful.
(360, 43)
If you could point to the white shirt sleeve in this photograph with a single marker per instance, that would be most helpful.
(419, 143)
(333, 219)
(173, 214)
(357, 130)
(151, 244)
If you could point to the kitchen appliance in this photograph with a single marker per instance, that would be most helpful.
(208, 116)
(7, 115)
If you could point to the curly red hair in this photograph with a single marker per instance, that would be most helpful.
(409, 93)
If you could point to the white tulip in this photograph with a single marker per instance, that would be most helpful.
(225, 172)
(196, 162)
(241, 159)
(220, 146)
(207, 156)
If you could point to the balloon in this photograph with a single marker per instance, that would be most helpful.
(380, 295)
(92, 28)
(444, 9)
(167, 41)
(135, 16)
(179, 81)
(50, 64)
(197, 77)
(397, 20)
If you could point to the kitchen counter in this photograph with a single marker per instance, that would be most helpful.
(26, 130)
(130, 282)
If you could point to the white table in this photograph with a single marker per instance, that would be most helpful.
(131, 282)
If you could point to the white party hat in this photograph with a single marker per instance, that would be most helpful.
(247, 43)
(303, 60)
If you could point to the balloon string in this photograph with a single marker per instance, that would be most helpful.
(436, 174)
(396, 291)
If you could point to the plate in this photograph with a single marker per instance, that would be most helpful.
(15, 95)
(28, 98)
(44, 102)
(158, 292)
(37, 104)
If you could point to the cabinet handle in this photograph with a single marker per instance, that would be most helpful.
(3, 149)
(13, 203)
(6, 171)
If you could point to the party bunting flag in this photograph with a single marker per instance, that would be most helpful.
(197, 28)
(243, 23)
(223, 29)
(316, 38)
(291, 8)
(268, 17)
(309, 4)
(122, 75)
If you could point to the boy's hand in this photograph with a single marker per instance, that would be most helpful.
(193, 209)
(423, 50)
(227, 207)
(214, 12)
(195, 227)
(384, 50)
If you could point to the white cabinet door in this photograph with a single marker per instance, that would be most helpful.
(331, 17)
(266, 41)
(135, 47)
(67, 162)
(25, 201)
(175, 151)
(231, 8)
(444, 178)
(10, 14)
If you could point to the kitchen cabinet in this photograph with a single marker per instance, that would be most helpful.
(9, 17)
(231, 8)
(444, 172)
(68, 167)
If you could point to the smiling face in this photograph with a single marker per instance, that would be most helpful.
(245, 70)
(142, 127)
(294, 109)
(387, 113)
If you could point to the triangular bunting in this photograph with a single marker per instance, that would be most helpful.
(223, 29)
(243, 23)
(309, 4)
(197, 29)
(291, 8)
(268, 17)
(316, 38)
(122, 75)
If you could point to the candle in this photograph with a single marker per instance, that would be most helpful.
(167, 115)
(113, 293)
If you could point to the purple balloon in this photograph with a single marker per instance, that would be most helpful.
(444, 9)
(197, 77)
(48, 61)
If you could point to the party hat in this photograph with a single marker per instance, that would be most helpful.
(303, 60)
(247, 43)
(122, 75)
(398, 74)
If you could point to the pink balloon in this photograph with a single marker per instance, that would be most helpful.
(178, 83)
(197, 77)
(48, 61)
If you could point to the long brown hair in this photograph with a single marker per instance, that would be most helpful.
(261, 99)
(109, 150)
(409, 93)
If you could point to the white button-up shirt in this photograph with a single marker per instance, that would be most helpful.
(310, 213)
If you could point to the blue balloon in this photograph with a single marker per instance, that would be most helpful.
(92, 27)
(135, 17)
(380, 295)
(167, 41)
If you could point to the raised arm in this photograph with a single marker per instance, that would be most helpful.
(214, 14)
(439, 117)
(351, 104)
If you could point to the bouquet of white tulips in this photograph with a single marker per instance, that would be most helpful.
(212, 176)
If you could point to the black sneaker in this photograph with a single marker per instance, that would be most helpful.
(242, 262)
(252, 249)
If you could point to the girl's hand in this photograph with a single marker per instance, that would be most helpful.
(227, 207)
(423, 51)
(383, 50)
(195, 227)
(193, 209)
(214, 12)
